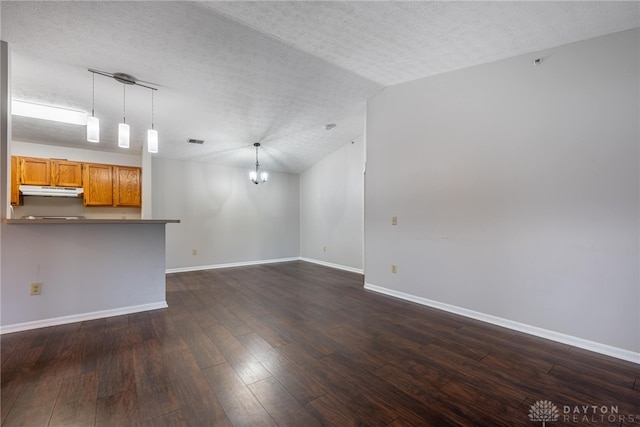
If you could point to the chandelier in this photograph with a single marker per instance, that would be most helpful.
(256, 176)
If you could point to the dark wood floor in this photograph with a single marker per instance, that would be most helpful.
(296, 344)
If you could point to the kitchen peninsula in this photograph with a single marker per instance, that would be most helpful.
(89, 269)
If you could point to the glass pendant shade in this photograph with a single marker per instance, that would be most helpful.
(253, 176)
(264, 176)
(93, 129)
(123, 135)
(152, 141)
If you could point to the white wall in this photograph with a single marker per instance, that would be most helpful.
(331, 208)
(516, 189)
(224, 216)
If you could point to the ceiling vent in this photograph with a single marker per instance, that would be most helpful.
(195, 141)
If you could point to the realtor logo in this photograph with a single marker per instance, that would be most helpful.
(543, 410)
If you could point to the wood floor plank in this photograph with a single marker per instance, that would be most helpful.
(280, 405)
(247, 367)
(63, 358)
(270, 334)
(165, 333)
(294, 379)
(34, 405)
(120, 409)
(91, 344)
(40, 337)
(15, 375)
(239, 403)
(172, 419)
(116, 373)
(203, 349)
(599, 387)
(9, 343)
(154, 393)
(226, 314)
(192, 391)
(77, 401)
(332, 412)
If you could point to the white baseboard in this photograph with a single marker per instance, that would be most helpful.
(605, 349)
(17, 327)
(232, 264)
(329, 264)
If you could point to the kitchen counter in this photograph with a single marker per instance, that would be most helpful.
(89, 221)
(89, 269)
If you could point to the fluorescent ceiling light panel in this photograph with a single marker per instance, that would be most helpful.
(46, 112)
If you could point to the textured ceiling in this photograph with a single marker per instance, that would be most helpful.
(234, 73)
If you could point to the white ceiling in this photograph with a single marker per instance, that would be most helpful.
(235, 73)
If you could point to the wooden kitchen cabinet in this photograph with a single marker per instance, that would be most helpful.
(65, 173)
(34, 171)
(98, 184)
(103, 184)
(127, 188)
(15, 182)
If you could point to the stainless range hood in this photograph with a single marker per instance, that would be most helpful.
(35, 190)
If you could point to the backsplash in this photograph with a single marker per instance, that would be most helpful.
(64, 206)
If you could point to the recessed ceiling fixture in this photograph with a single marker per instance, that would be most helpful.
(47, 112)
(256, 176)
(329, 126)
(123, 128)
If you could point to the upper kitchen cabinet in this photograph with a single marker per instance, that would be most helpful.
(103, 184)
(65, 173)
(34, 171)
(15, 182)
(127, 188)
(98, 184)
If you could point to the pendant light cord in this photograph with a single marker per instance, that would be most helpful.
(93, 95)
(124, 104)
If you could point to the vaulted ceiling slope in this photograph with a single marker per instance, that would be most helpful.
(235, 73)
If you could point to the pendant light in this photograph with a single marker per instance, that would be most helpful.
(93, 128)
(152, 134)
(123, 128)
(93, 124)
(256, 176)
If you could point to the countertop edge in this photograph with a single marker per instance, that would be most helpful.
(90, 221)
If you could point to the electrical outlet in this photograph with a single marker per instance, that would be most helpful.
(36, 288)
(394, 220)
(194, 252)
(394, 268)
